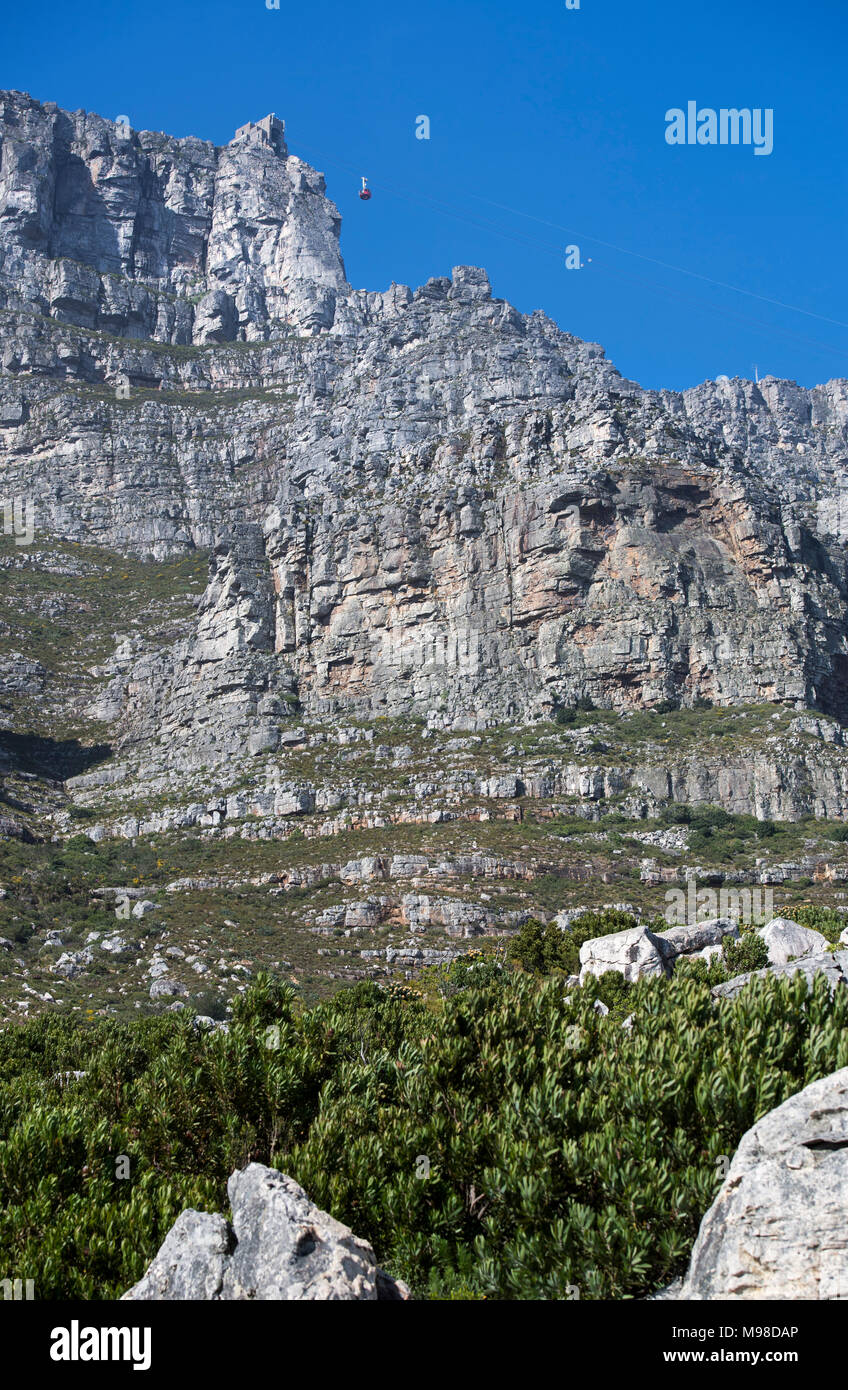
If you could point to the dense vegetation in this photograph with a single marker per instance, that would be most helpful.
(500, 1137)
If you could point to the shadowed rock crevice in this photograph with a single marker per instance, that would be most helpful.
(54, 759)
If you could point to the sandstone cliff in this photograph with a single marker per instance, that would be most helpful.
(416, 502)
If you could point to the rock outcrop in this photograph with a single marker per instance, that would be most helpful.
(638, 951)
(779, 1226)
(833, 965)
(787, 941)
(279, 1246)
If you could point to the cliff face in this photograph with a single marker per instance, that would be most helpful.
(416, 502)
(143, 236)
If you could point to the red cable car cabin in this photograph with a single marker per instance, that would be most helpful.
(365, 191)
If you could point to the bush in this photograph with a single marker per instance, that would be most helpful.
(541, 949)
(717, 833)
(473, 969)
(738, 957)
(536, 947)
(747, 953)
(611, 989)
(564, 1149)
(208, 1004)
(565, 714)
(630, 1123)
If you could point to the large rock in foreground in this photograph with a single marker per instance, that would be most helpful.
(279, 1246)
(779, 1226)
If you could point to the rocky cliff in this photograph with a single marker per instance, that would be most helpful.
(415, 502)
(141, 236)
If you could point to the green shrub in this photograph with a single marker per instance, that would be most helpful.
(209, 1004)
(747, 953)
(717, 832)
(738, 957)
(536, 947)
(564, 1149)
(472, 970)
(541, 949)
(611, 989)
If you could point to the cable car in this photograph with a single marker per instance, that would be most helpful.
(365, 191)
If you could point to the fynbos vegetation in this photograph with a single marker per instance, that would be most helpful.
(566, 1148)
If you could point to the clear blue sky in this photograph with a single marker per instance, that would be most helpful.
(556, 114)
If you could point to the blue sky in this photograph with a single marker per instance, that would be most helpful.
(547, 128)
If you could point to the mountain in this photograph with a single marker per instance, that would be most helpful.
(394, 485)
(289, 561)
(395, 639)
